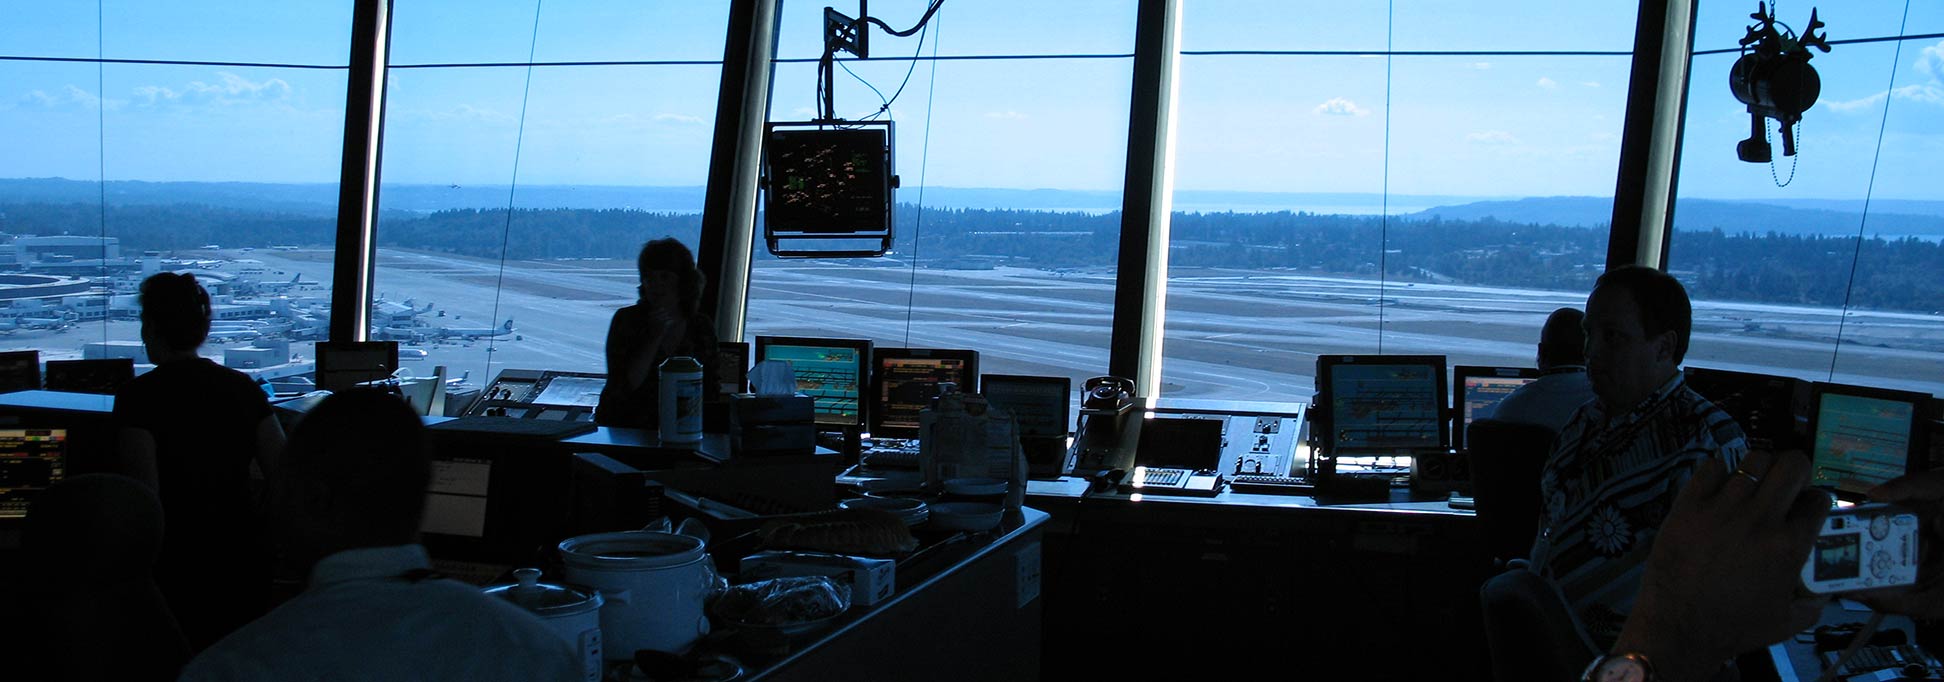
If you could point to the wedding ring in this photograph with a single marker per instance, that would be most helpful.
(1752, 478)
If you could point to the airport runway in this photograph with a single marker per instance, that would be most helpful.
(1232, 335)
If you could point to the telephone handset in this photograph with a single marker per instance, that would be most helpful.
(1107, 393)
(1106, 433)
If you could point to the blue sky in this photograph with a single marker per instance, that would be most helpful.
(1470, 125)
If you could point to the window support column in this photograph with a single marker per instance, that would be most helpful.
(364, 124)
(1147, 201)
(1650, 143)
(729, 204)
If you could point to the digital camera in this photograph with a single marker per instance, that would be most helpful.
(1865, 547)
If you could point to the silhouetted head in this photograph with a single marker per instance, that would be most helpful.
(354, 475)
(1562, 342)
(1637, 325)
(668, 269)
(175, 313)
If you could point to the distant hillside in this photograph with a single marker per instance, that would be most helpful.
(1892, 217)
(1805, 217)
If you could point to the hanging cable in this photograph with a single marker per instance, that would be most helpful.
(924, 162)
(907, 32)
(506, 233)
(1862, 224)
(885, 103)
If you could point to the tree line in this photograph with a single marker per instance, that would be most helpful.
(1717, 265)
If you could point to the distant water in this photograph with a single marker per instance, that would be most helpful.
(1395, 209)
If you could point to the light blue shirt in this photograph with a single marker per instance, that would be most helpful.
(1549, 401)
(363, 619)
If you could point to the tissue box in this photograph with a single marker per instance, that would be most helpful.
(749, 408)
(771, 424)
(871, 580)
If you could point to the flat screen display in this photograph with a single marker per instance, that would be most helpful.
(833, 372)
(906, 380)
(1039, 404)
(1385, 402)
(1861, 441)
(30, 461)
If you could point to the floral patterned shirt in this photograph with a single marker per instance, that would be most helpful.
(1606, 488)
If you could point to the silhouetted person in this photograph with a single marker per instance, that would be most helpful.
(190, 429)
(84, 605)
(1562, 386)
(1617, 466)
(665, 322)
(349, 506)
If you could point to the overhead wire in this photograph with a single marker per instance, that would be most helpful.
(512, 187)
(1862, 225)
(924, 163)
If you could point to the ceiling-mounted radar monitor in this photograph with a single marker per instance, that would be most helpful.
(828, 183)
(1773, 77)
(828, 191)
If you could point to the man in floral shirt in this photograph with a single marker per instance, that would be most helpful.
(1616, 467)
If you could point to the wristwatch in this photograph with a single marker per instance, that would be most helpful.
(1620, 667)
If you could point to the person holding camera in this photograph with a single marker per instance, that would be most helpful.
(1725, 575)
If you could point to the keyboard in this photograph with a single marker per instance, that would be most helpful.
(1165, 478)
(891, 455)
(1871, 658)
(1272, 485)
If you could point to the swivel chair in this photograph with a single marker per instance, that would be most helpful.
(94, 612)
(1529, 629)
(1506, 459)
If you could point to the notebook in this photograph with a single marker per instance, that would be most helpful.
(1177, 457)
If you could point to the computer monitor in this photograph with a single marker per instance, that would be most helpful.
(904, 380)
(731, 368)
(20, 371)
(1372, 403)
(1180, 443)
(833, 372)
(342, 365)
(1773, 411)
(104, 376)
(1041, 405)
(1862, 437)
(31, 460)
(1476, 392)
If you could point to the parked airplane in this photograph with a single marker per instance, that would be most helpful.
(14, 324)
(233, 335)
(470, 333)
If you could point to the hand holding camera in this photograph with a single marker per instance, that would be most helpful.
(1923, 495)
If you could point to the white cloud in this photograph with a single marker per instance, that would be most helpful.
(1481, 66)
(1930, 61)
(1338, 106)
(1923, 93)
(1590, 84)
(231, 87)
(677, 118)
(1008, 115)
(68, 96)
(1495, 137)
(1548, 83)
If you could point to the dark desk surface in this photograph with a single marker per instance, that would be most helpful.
(992, 631)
